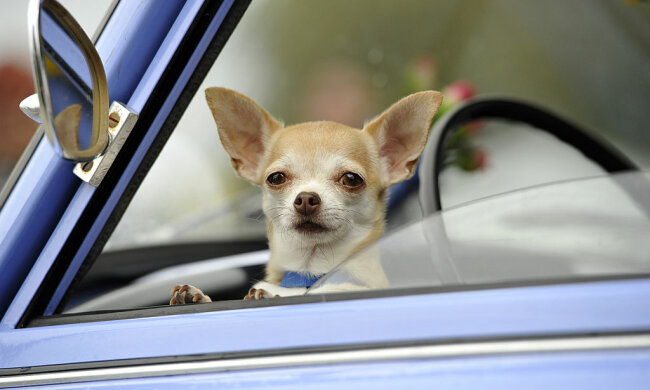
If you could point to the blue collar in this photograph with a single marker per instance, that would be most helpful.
(294, 279)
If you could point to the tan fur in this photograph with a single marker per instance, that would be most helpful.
(313, 157)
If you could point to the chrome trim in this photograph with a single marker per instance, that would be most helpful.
(99, 136)
(31, 107)
(439, 351)
(38, 70)
(93, 172)
(8, 185)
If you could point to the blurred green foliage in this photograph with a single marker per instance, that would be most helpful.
(585, 59)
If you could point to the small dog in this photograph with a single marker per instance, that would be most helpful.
(324, 186)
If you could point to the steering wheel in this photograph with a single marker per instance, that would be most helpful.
(594, 148)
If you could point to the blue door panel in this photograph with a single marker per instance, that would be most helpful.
(569, 370)
(149, 71)
(612, 306)
(135, 31)
(30, 214)
(137, 101)
(47, 185)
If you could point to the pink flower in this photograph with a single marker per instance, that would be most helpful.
(473, 128)
(459, 91)
(480, 159)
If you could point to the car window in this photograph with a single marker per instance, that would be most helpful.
(494, 156)
(346, 62)
(564, 231)
(355, 63)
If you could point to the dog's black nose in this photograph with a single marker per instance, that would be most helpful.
(307, 203)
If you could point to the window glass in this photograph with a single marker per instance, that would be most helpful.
(561, 231)
(591, 227)
(492, 156)
(348, 61)
(304, 60)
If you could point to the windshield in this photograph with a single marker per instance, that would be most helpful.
(567, 230)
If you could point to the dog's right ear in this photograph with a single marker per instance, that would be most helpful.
(401, 133)
(244, 129)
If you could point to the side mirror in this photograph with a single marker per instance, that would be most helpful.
(71, 100)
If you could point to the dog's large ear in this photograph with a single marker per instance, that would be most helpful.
(244, 129)
(401, 133)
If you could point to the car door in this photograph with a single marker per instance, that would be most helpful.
(51, 224)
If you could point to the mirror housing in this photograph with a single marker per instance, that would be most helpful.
(50, 11)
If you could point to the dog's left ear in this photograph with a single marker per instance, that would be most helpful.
(401, 133)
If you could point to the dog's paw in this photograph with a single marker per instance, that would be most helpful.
(259, 293)
(187, 294)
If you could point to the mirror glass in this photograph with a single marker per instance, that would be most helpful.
(73, 93)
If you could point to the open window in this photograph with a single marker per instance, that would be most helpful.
(207, 212)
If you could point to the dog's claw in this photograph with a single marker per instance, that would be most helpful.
(179, 298)
(258, 293)
(186, 293)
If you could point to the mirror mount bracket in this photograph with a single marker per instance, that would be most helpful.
(121, 120)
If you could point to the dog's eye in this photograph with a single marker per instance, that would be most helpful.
(350, 179)
(276, 178)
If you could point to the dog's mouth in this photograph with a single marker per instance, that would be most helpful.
(310, 227)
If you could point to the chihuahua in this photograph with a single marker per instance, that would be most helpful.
(324, 186)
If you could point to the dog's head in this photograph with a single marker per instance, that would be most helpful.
(323, 181)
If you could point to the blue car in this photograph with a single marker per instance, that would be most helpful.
(528, 270)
